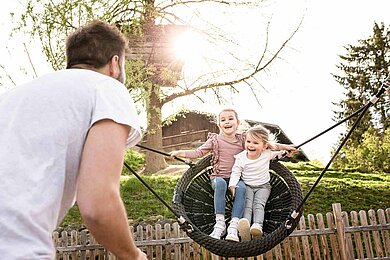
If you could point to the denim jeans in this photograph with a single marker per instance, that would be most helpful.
(220, 186)
(256, 198)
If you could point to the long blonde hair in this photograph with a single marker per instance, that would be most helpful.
(262, 133)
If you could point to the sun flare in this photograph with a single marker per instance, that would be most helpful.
(188, 46)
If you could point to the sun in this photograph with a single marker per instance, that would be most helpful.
(188, 46)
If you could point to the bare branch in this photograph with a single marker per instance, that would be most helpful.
(29, 59)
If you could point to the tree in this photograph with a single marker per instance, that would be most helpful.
(153, 85)
(363, 70)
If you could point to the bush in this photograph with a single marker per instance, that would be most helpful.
(372, 154)
(135, 160)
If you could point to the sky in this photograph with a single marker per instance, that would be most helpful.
(300, 88)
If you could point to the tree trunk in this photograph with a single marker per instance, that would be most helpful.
(153, 161)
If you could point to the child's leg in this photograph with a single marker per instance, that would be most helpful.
(249, 203)
(237, 211)
(220, 187)
(244, 223)
(239, 200)
(260, 199)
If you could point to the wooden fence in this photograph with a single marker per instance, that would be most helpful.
(337, 235)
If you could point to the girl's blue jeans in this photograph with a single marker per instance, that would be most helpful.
(220, 186)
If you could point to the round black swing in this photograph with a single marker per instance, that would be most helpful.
(194, 201)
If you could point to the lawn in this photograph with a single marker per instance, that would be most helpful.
(354, 190)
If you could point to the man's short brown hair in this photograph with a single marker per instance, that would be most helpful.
(94, 44)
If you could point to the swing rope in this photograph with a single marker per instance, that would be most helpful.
(385, 87)
(183, 224)
(188, 162)
(196, 176)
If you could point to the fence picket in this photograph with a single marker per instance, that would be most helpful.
(74, 242)
(375, 234)
(324, 241)
(348, 237)
(366, 235)
(305, 240)
(83, 242)
(176, 233)
(287, 249)
(149, 236)
(357, 238)
(168, 248)
(314, 238)
(158, 247)
(385, 233)
(333, 238)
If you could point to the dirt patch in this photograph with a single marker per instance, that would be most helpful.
(173, 170)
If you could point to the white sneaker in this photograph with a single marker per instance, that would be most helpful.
(219, 229)
(243, 229)
(256, 231)
(232, 232)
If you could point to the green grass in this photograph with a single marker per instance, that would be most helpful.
(354, 190)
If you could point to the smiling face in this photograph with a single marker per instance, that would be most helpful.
(228, 123)
(254, 146)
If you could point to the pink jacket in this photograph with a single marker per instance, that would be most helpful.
(223, 153)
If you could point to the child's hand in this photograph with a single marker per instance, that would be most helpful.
(291, 150)
(233, 190)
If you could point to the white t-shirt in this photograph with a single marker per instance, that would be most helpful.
(43, 126)
(252, 172)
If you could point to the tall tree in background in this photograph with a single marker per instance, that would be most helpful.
(154, 86)
(363, 70)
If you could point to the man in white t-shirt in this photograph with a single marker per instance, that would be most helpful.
(62, 139)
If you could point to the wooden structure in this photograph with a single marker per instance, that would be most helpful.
(189, 129)
(337, 235)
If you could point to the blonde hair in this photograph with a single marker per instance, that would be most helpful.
(262, 133)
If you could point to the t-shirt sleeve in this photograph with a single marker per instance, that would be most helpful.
(236, 170)
(112, 101)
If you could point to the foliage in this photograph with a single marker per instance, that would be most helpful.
(354, 190)
(153, 83)
(363, 70)
(183, 112)
(372, 155)
(135, 160)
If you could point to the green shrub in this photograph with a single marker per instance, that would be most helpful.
(354, 190)
(371, 155)
(135, 160)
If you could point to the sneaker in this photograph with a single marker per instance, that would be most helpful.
(256, 231)
(232, 232)
(219, 229)
(243, 229)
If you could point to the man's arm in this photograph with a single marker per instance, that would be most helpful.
(98, 193)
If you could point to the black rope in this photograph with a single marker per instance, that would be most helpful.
(181, 220)
(383, 89)
(363, 110)
(188, 162)
(330, 128)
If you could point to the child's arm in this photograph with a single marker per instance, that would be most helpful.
(197, 153)
(287, 147)
(235, 176)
